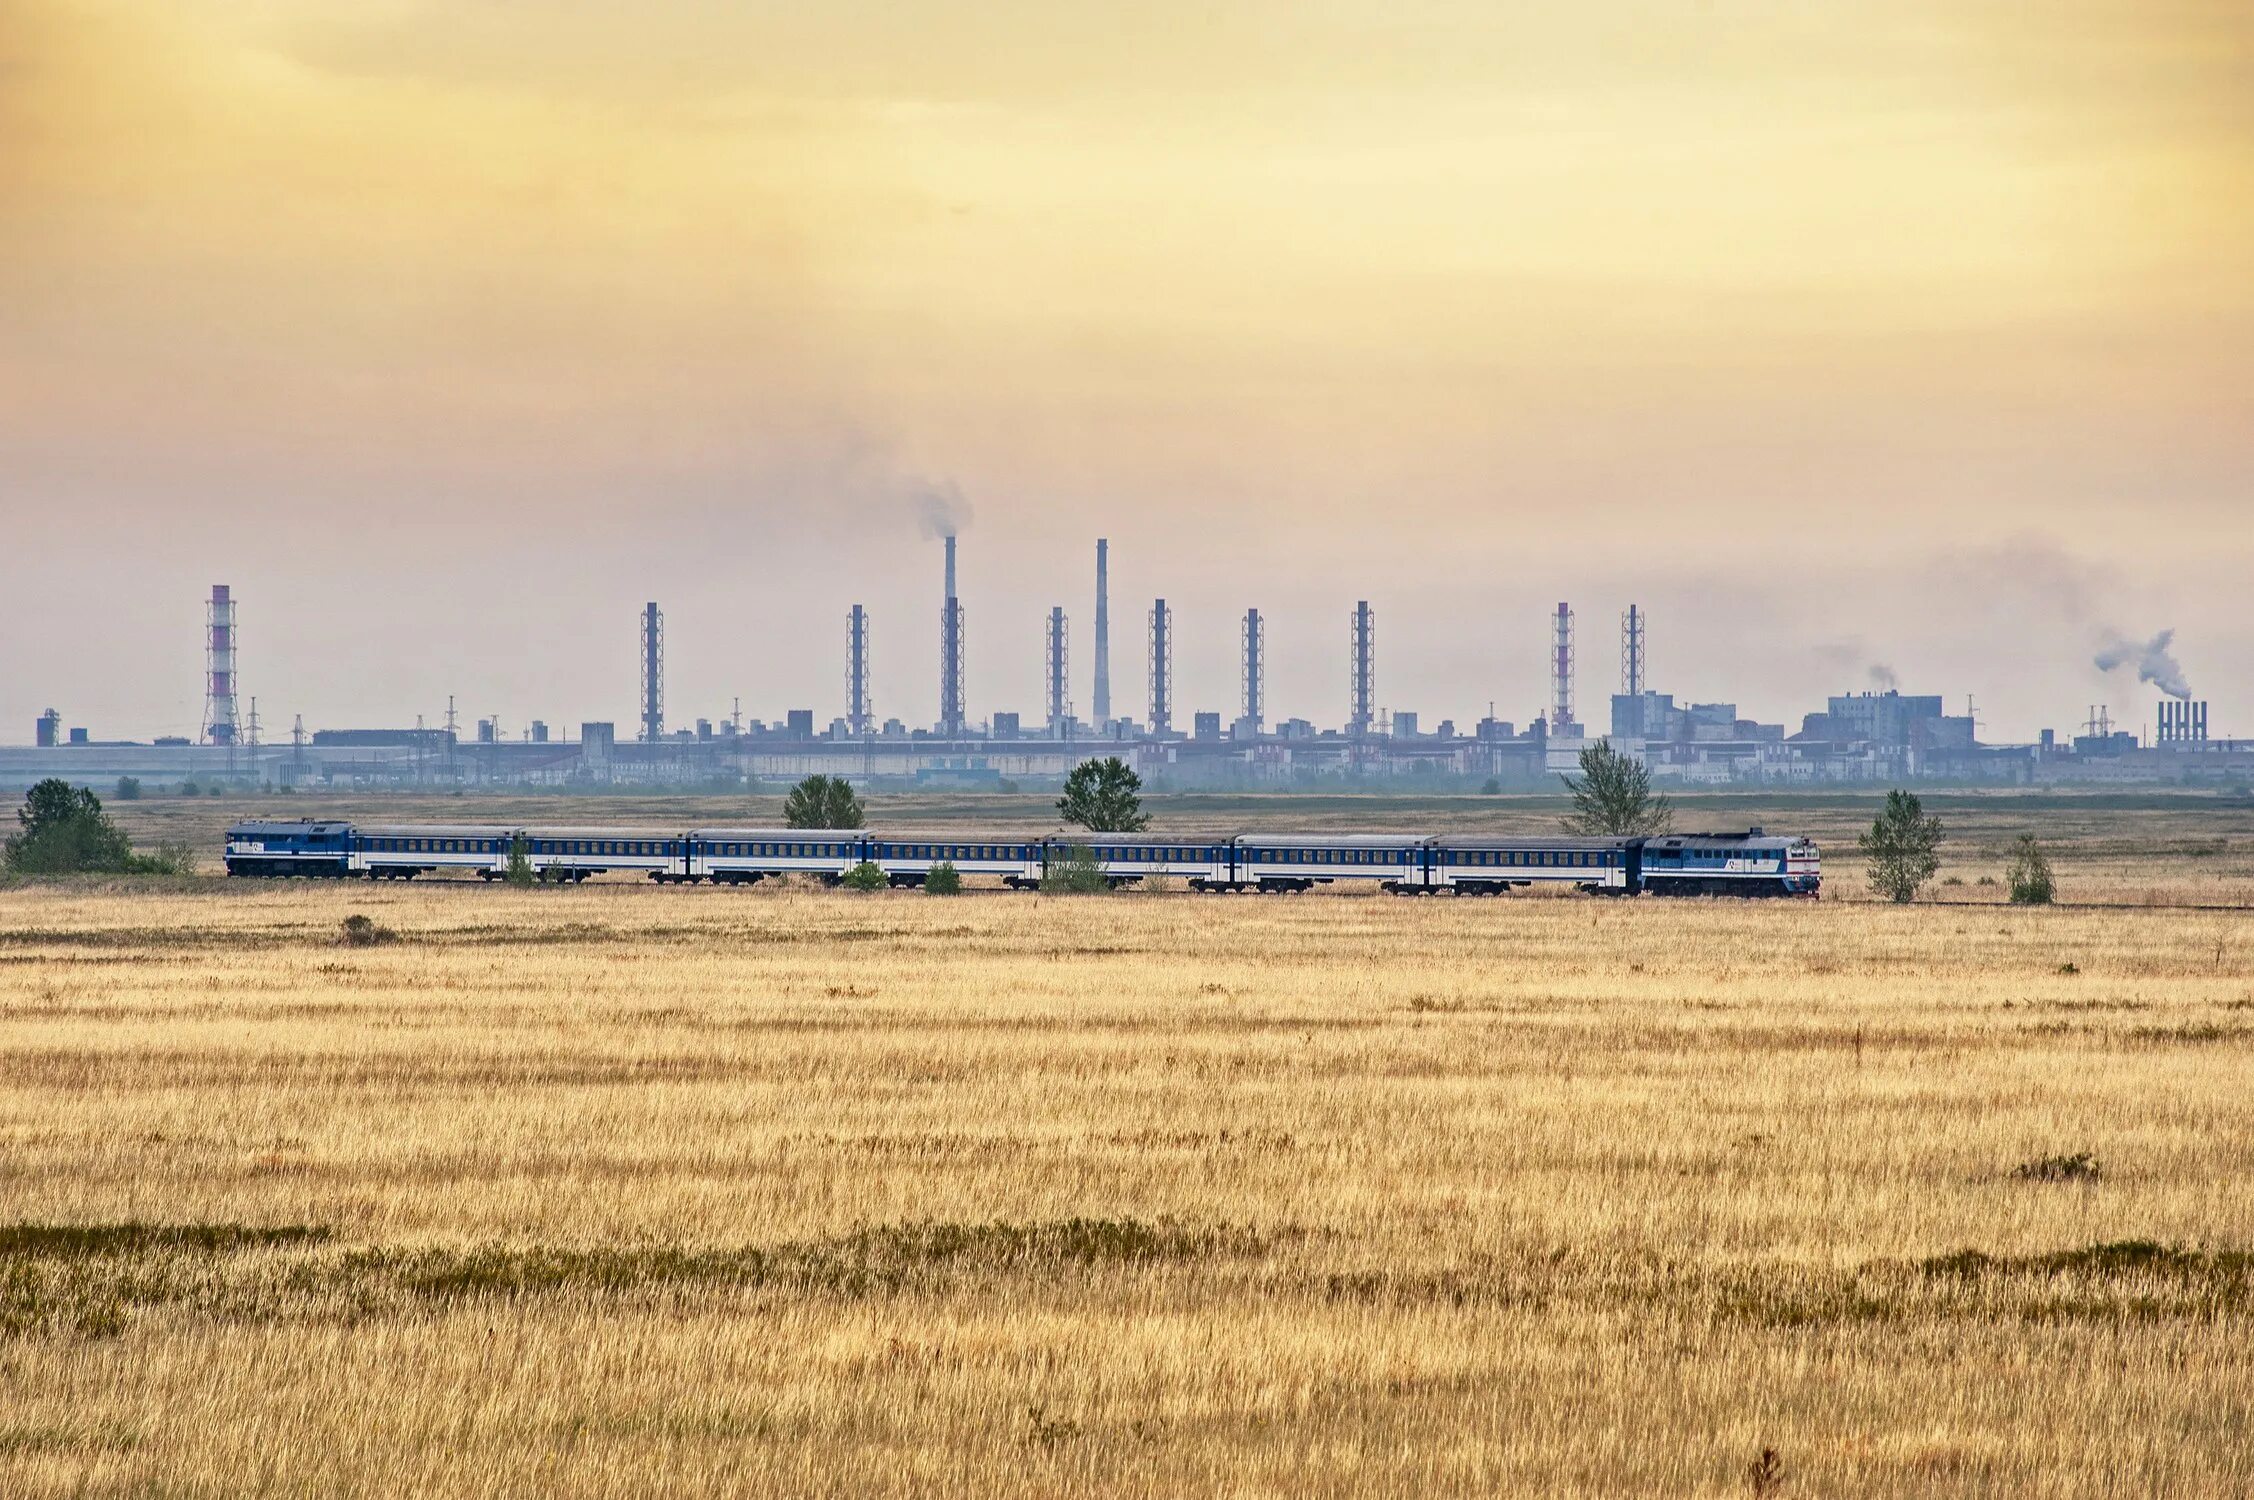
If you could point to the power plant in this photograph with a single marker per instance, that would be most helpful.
(1876, 735)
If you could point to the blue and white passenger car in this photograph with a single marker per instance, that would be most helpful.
(1488, 864)
(403, 851)
(907, 858)
(1202, 860)
(1298, 861)
(743, 856)
(573, 854)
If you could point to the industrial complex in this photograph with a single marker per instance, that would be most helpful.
(1879, 735)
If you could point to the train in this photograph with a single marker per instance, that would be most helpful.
(1752, 863)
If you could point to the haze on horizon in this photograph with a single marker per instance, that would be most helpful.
(1911, 335)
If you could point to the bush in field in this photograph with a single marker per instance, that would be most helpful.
(520, 871)
(866, 876)
(360, 931)
(822, 802)
(63, 831)
(2032, 883)
(943, 879)
(129, 789)
(1103, 796)
(1077, 874)
(1903, 847)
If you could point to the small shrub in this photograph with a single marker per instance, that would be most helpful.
(2080, 1167)
(1077, 874)
(1765, 1475)
(1954, 880)
(190, 789)
(2069, 968)
(360, 931)
(866, 876)
(520, 871)
(1492, 788)
(1985, 880)
(129, 789)
(943, 879)
(2032, 883)
(172, 857)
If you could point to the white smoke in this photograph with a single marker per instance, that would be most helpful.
(2154, 660)
(941, 508)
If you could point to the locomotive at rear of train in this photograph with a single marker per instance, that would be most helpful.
(1752, 863)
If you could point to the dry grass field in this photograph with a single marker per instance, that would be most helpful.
(637, 1191)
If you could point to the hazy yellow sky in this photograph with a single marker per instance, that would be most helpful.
(511, 313)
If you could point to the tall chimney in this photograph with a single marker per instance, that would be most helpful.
(221, 723)
(1102, 705)
(1161, 668)
(1060, 674)
(952, 721)
(1361, 667)
(1255, 670)
(1561, 672)
(653, 674)
(858, 717)
(1632, 652)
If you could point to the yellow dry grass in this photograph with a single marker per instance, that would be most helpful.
(628, 1191)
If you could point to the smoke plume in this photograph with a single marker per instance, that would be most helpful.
(1883, 678)
(941, 509)
(2154, 660)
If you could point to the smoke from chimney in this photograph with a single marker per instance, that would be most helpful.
(2154, 660)
(941, 509)
(1883, 678)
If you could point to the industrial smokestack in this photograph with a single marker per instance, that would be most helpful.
(1102, 703)
(653, 674)
(1361, 668)
(1632, 652)
(1060, 675)
(952, 720)
(1561, 672)
(1161, 668)
(859, 717)
(1255, 669)
(222, 725)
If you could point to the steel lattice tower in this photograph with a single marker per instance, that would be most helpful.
(1161, 668)
(859, 717)
(1255, 671)
(653, 674)
(1632, 652)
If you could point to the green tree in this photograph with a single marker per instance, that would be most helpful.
(1077, 874)
(129, 789)
(1614, 796)
(943, 879)
(63, 831)
(2032, 883)
(520, 871)
(866, 876)
(822, 802)
(1903, 847)
(1103, 796)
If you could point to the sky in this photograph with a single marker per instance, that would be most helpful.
(1847, 340)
